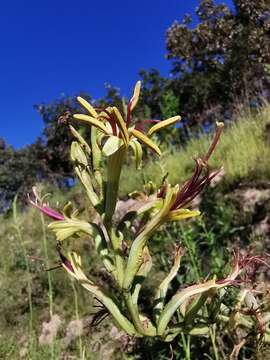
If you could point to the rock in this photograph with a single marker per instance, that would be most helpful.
(74, 329)
(50, 330)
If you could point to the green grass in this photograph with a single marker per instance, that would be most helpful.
(242, 151)
(244, 154)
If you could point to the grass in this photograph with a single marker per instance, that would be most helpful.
(243, 152)
(17, 228)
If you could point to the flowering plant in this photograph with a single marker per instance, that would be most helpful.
(122, 239)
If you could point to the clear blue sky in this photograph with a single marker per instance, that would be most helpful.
(54, 47)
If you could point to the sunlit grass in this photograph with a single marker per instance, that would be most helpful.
(243, 152)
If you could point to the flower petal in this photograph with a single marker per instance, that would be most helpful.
(182, 214)
(81, 140)
(69, 227)
(161, 124)
(137, 149)
(77, 154)
(121, 124)
(91, 121)
(143, 138)
(135, 97)
(87, 106)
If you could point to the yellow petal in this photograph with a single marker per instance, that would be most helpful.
(78, 136)
(143, 138)
(137, 149)
(135, 96)
(77, 154)
(87, 106)
(91, 121)
(163, 124)
(103, 115)
(121, 124)
(182, 214)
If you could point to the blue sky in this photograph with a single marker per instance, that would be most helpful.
(55, 47)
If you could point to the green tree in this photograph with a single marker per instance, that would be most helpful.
(19, 171)
(222, 59)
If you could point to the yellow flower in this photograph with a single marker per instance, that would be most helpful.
(116, 129)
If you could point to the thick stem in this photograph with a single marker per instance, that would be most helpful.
(119, 260)
(135, 255)
(101, 295)
(147, 330)
(134, 313)
(114, 167)
(107, 301)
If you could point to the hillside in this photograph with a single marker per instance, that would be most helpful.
(235, 213)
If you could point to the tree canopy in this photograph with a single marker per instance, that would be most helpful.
(223, 58)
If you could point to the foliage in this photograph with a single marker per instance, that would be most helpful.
(222, 59)
(19, 169)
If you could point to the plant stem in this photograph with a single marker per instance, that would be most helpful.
(134, 313)
(119, 260)
(114, 167)
(186, 346)
(213, 340)
(50, 291)
(77, 315)
(191, 254)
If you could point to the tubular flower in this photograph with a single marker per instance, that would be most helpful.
(43, 207)
(116, 130)
(64, 260)
(179, 197)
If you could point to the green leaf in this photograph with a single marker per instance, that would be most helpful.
(163, 287)
(184, 295)
(141, 274)
(135, 254)
(101, 294)
(112, 144)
